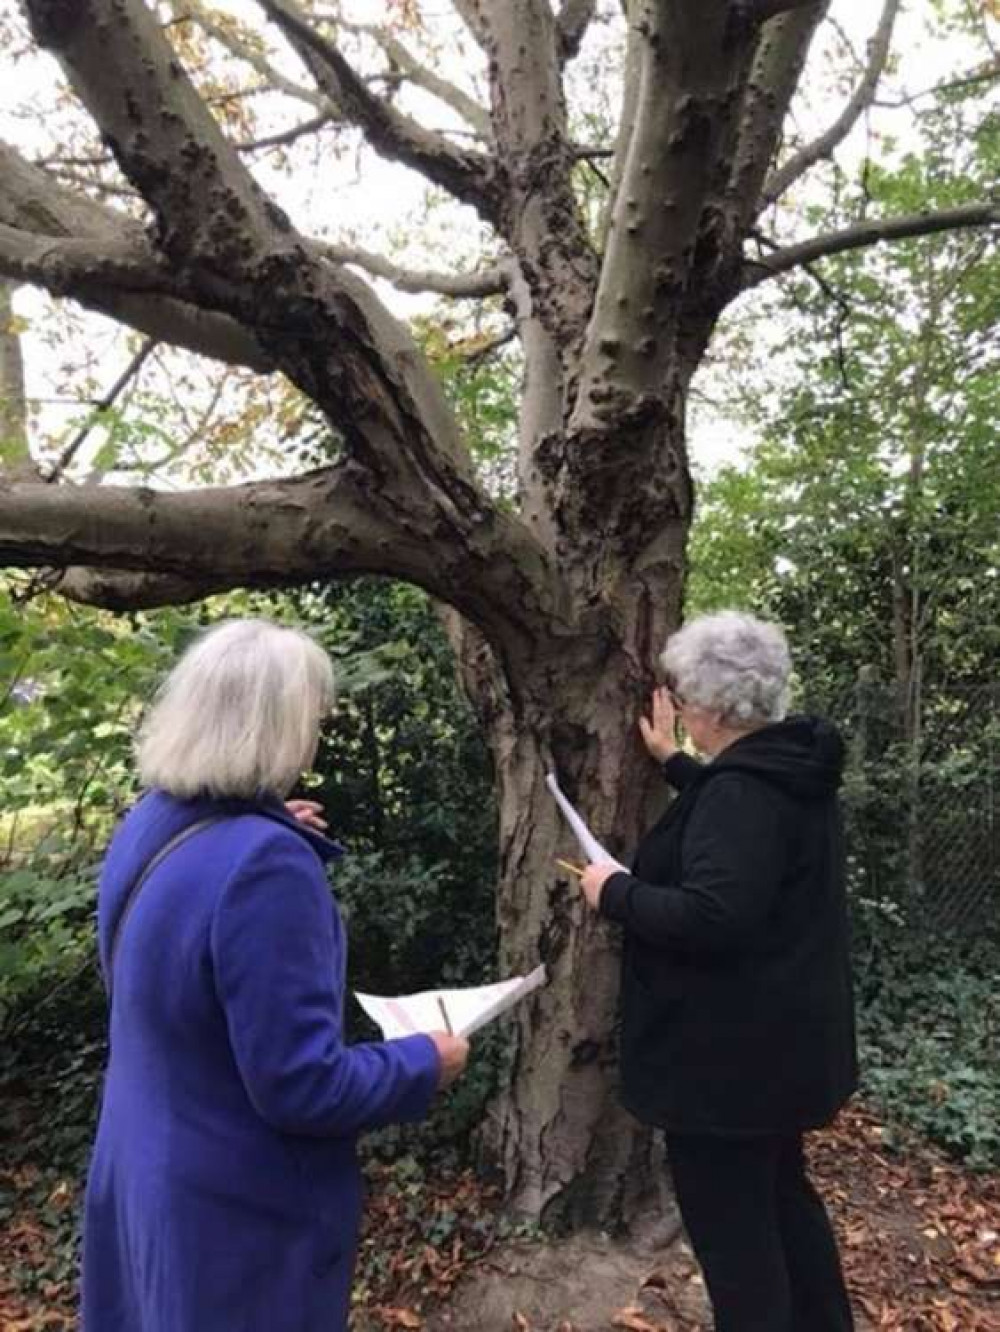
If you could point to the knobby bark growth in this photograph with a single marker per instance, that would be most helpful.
(558, 605)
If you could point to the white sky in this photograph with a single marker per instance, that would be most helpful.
(359, 197)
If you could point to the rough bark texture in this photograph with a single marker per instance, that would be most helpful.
(560, 604)
(13, 414)
(567, 1149)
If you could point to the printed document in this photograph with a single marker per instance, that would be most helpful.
(464, 1011)
(589, 844)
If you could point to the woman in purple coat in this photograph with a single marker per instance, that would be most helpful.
(224, 1192)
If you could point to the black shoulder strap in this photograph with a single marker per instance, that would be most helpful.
(143, 875)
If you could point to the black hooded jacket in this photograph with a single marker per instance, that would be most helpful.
(737, 1011)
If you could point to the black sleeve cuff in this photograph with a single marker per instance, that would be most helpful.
(614, 896)
(680, 769)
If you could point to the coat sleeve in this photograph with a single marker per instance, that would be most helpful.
(277, 947)
(733, 859)
(681, 769)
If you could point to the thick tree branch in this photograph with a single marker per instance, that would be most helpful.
(209, 209)
(763, 10)
(780, 57)
(541, 218)
(634, 55)
(486, 282)
(862, 97)
(471, 14)
(575, 18)
(463, 173)
(33, 200)
(277, 533)
(321, 324)
(228, 535)
(179, 323)
(868, 233)
(47, 229)
(115, 590)
(693, 63)
(59, 264)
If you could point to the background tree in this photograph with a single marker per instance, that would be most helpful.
(559, 594)
(863, 516)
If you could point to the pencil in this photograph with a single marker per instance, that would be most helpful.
(444, 1014)
(573, 869)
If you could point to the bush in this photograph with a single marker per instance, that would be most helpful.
(929, 1029)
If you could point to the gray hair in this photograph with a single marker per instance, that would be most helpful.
(732, 665)
(239, 714)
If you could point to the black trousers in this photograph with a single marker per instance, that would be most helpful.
(761, 1234)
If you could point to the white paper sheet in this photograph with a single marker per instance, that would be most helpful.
(468, 1009)
(589, 844)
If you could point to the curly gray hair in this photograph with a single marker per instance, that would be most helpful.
(732, 665)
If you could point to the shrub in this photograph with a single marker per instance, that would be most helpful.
(929, 1028)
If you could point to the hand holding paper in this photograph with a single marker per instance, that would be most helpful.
(589, 844)
(460, 1011)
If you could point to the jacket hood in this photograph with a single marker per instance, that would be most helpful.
(804, 756)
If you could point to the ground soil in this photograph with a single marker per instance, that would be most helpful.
(920, 1239)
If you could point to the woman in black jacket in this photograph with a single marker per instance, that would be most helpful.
(737, 1013)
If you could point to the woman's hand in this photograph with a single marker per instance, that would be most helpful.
(594, 878)
(453, 1051)
(660, 734)
(307, 812)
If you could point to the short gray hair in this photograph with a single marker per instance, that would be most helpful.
(732, 665)
(239, 714)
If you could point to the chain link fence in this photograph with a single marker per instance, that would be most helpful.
(922, 802)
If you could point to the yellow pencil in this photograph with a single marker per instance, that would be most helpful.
(573, 869)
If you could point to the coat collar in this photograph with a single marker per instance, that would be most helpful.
(325, 847)
(202, 807)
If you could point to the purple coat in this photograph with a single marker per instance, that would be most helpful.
(224, 1193)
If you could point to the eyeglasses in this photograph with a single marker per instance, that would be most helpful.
(676, 698)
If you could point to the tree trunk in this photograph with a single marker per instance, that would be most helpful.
(569, 1153)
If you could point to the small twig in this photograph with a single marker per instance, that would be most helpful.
(284, 137)
(102, 405)
(987, 75)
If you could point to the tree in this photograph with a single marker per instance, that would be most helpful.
(864, 515)
(559, 600)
